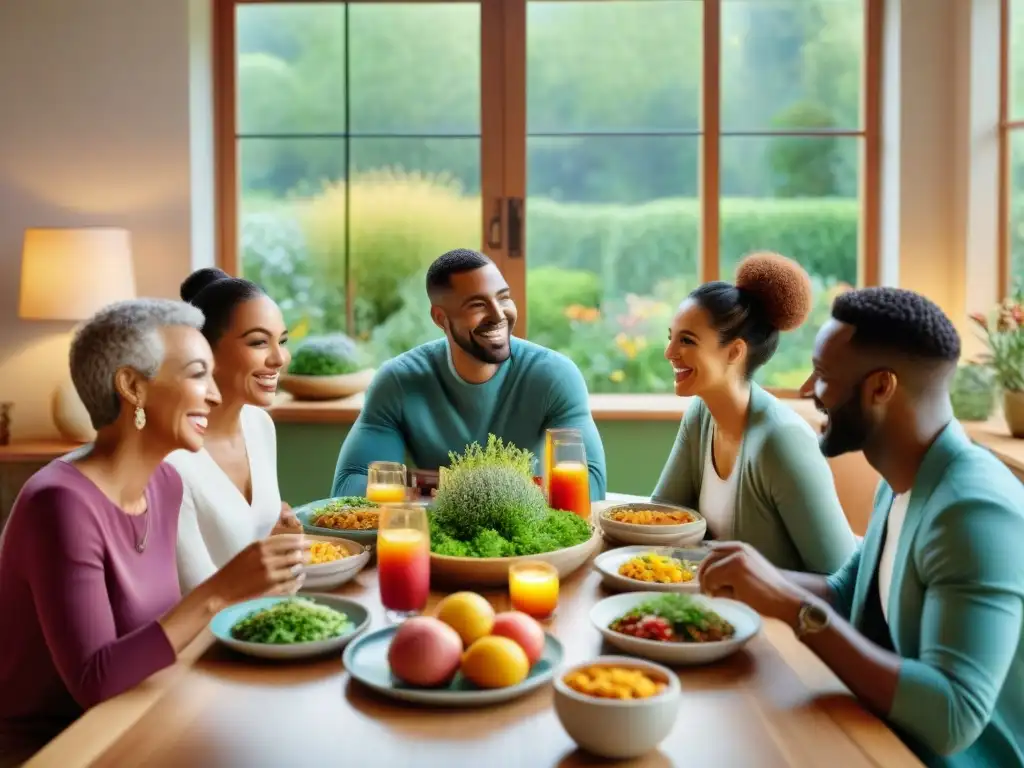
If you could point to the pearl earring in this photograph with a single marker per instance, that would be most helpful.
(140, 417)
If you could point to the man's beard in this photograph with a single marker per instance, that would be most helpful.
(848, 428)
(484, 353)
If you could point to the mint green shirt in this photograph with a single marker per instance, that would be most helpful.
(418, 406)
(786, 505)
(956, 606)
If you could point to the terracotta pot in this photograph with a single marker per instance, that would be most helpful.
(1013, 411)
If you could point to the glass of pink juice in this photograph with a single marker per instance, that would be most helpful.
(403, 560)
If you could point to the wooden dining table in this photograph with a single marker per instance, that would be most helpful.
(772, 704)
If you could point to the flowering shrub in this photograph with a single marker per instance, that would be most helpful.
(1003, 332)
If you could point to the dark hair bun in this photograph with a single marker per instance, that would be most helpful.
(199, 279)
(782, 287)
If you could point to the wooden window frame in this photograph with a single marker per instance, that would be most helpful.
(1006, 127)
(503, 134)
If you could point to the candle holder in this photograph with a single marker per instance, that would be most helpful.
(533, 588)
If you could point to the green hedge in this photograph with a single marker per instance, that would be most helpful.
(632, 248)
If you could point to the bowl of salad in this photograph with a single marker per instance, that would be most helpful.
(678, 629)
(290, 627)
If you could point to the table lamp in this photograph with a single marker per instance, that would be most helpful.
(69, 274)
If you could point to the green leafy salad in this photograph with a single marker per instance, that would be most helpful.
(489, 506)
(298, 620)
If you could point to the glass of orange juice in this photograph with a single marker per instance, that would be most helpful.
(569, 476)
(533, 587)
(403, 560)
(386, 482)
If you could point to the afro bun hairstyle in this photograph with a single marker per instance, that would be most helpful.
(782, 287)
(771, 294)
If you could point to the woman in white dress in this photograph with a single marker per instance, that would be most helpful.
(231, 495)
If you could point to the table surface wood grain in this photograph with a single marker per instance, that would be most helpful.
(772, 705)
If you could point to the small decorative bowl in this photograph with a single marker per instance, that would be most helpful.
(618, 728)
(326, 387)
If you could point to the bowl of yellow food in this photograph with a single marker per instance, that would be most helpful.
(617, 707)
(654, 569)
(652, 523)
(333, 561)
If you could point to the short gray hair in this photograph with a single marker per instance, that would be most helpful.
(124, 334)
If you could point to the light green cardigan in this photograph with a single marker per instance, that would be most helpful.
(786, 503)
(956, 606)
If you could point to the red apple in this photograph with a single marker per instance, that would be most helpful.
(523, 630)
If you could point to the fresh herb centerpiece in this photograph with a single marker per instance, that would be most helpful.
(489, 506)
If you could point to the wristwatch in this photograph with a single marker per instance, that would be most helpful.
(811, 619)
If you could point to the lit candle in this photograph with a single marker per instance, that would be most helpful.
(533, 587)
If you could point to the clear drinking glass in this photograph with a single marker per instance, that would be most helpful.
(387, 482)
(569, 476)
(403, 560)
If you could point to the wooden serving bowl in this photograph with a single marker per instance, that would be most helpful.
(469, 572)
(326, 387)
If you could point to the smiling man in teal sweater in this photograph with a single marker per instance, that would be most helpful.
(479, 380)
(923, 623)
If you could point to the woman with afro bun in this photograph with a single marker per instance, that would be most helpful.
(748, 463)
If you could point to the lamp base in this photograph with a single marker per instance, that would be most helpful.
(69, 414)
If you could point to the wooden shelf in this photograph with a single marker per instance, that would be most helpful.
(604, 407)
(40, 451)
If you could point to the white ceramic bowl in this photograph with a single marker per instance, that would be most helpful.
(616, 527)
(358, 556)
(608, 564)
(614, 728)
(746, 621)
(690, 539)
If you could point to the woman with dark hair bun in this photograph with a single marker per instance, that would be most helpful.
(231, 491)
(748, 463)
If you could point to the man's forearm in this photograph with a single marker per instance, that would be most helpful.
(814, 583)
(869, 671)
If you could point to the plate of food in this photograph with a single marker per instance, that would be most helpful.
(428, 661)
(290, 627)
(673, 628)
(347, 517)
(655, 569)
(652, 523)
(333, 561)
(489, 514)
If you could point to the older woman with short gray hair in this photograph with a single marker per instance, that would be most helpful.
(87, 561)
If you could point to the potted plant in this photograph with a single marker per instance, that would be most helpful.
(973, 392)
(326, 368)
(1004, 336)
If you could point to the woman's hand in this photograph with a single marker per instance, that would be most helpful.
(287, 522)
(271, 566)
(736, 570)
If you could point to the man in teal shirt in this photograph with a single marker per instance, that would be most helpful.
(479, 380)
(923, 623)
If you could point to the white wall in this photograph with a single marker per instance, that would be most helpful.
(95, 128)
(105, 119)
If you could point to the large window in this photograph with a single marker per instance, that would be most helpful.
(608, 154)
(1012, 145)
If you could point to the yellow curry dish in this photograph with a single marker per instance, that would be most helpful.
(658, 569)
(614, 683)
(652, 517)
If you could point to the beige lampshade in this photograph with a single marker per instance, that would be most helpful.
(68, 274)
